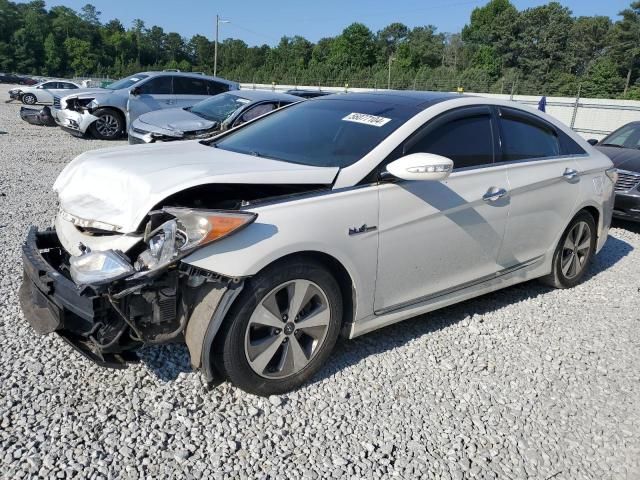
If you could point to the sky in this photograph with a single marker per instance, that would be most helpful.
(257, 22)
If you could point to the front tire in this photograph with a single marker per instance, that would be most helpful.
(108, 126)
(573, 253)
(29, 99)
(281, 329)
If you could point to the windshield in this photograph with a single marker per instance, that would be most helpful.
(626, 137)
(219, 107)
(323, 133)
(126, 82)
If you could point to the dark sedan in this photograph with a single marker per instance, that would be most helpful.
(623, 148)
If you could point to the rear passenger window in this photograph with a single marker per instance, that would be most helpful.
(524, 139)
(190, 86)
(157, 86)
(468, 141)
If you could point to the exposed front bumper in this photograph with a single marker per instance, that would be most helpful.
(627, 206)
(107, 324)
(139, 133)
(51, 302)
(76, 123)
(15, 95)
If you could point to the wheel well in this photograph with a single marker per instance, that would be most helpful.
(339, 273)
(117, 111)
(595, 213)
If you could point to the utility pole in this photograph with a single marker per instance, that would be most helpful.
(391, 59)
(215, 47)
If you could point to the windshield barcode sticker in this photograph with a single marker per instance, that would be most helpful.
(366, 119)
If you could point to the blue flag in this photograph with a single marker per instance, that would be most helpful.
(542, 104)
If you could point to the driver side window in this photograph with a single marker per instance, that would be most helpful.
(157, 86)
(465, 139)
(255, 112)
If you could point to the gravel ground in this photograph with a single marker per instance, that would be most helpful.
(525, 383)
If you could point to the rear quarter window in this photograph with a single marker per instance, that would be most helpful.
(568, 145)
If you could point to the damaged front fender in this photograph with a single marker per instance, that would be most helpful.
(73, 121)
(205, 322)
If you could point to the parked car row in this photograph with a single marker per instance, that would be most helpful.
(336, 215)
(151, 106)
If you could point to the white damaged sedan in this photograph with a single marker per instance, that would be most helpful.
(341, 214)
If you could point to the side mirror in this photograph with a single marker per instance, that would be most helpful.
(421, 166)
(592, 141)
(135, 91)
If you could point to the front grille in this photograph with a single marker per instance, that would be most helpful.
(627, 181)
(56, 102)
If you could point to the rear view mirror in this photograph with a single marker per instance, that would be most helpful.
(592, 141)
(135, 91)
(421, 166)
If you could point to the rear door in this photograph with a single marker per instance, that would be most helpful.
(436, 237)
(154, 94)
(544, 177)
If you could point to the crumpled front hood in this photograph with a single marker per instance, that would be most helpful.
(174, 119)
(120, 185)
(623, 158)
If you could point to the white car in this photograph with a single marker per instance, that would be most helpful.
(42, 92)
(340, 214)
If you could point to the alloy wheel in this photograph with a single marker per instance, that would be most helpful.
(287, 328)
(107, 125)
(576, 249)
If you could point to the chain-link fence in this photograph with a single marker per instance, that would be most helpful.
(590, 117)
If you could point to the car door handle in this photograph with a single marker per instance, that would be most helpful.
(570, 173)
(493, 194)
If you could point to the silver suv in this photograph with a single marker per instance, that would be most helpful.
(107, 112)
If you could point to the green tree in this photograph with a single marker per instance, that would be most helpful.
(81, 58)
(53, 55)
(625, 41)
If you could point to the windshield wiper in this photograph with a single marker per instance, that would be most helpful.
(611, 145)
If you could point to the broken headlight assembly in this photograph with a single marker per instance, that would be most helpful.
(80, 104)
(188, 230)
(95, 268)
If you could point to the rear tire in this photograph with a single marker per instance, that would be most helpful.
(281, 329)
(108, 126)
(573, 253)
(29, 99)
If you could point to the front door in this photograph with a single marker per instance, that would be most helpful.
(155, 94)
(435, 237)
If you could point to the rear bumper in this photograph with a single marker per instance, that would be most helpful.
(627, 206)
